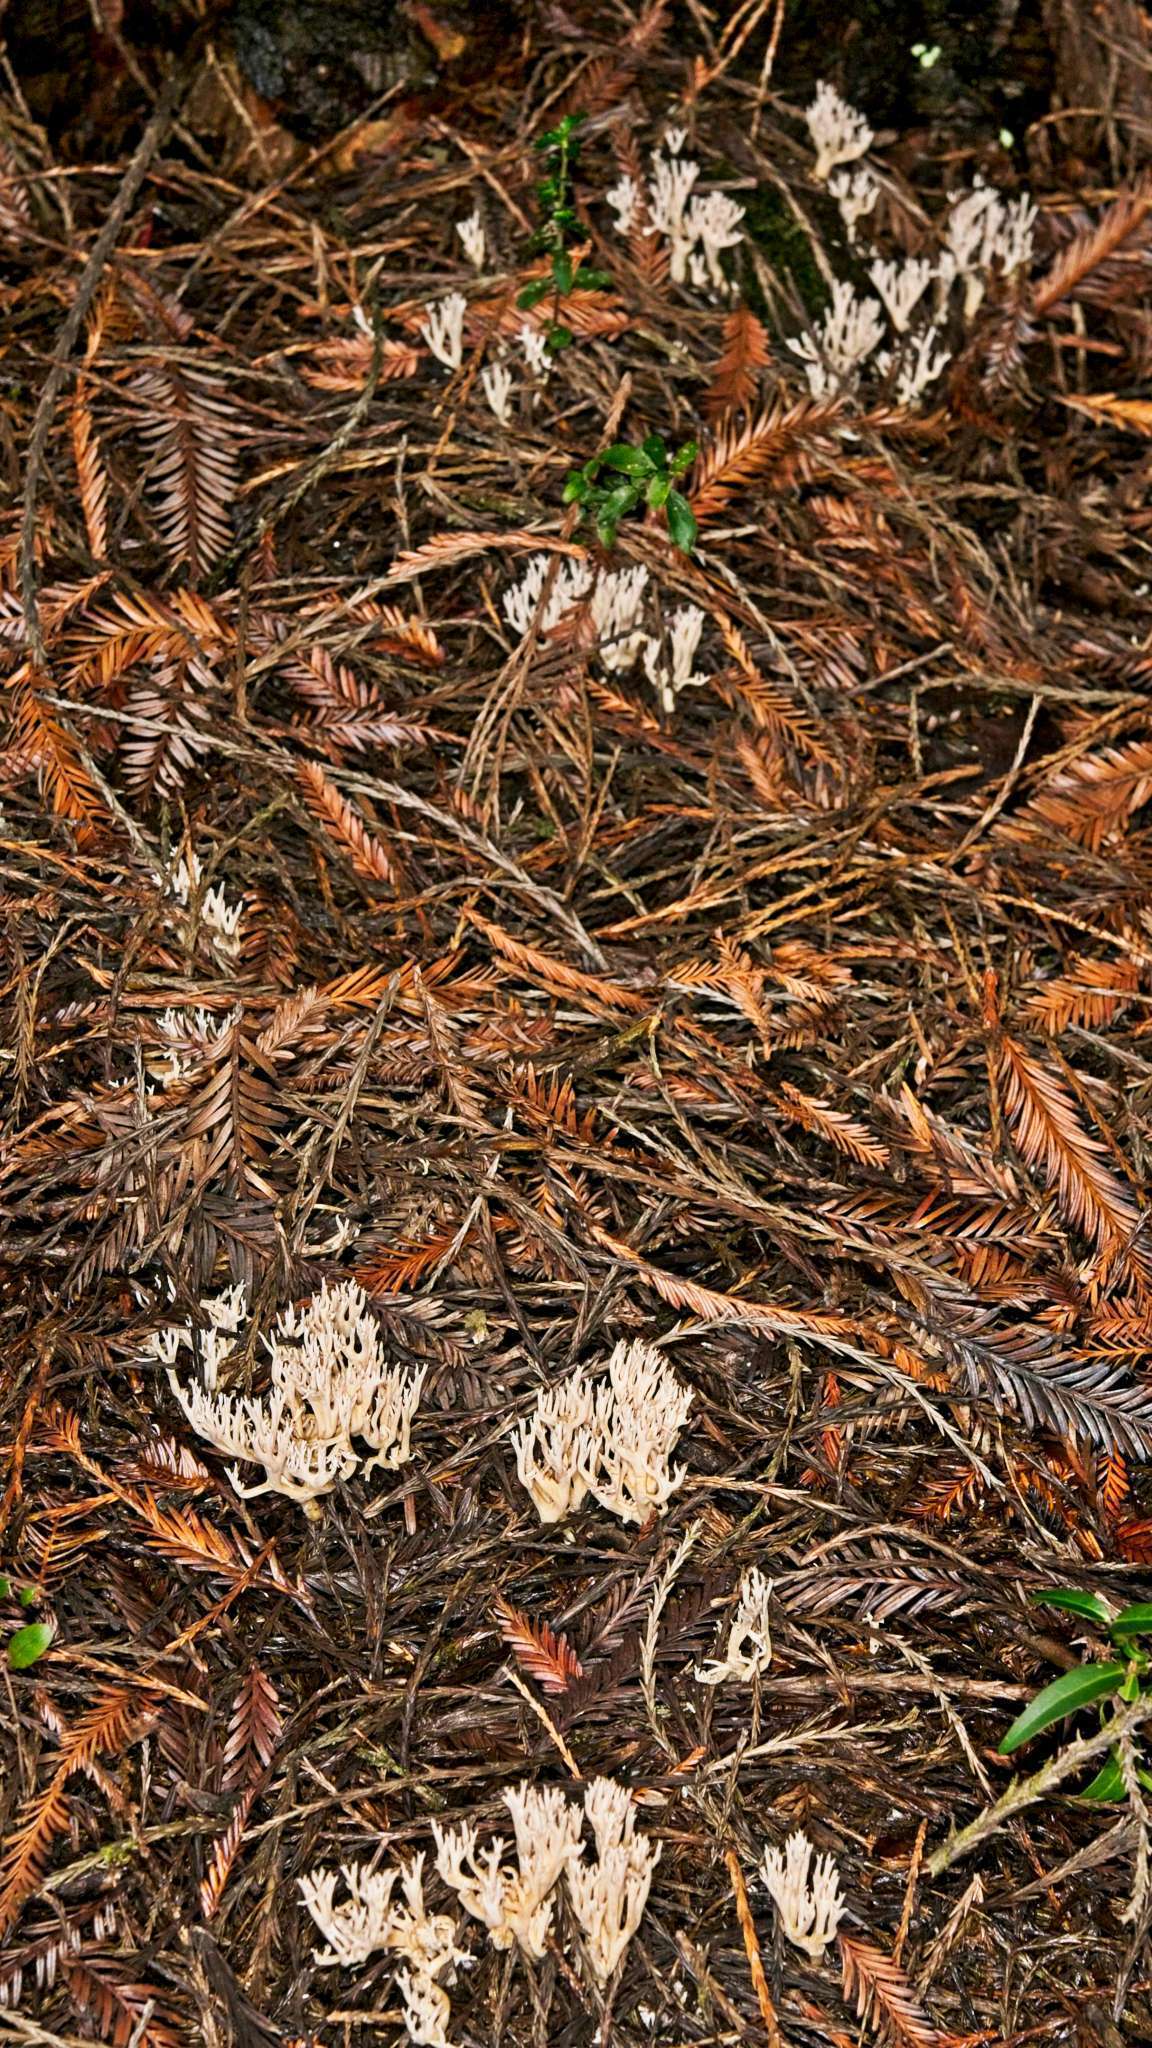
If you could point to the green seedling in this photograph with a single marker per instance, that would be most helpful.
(560, 150)
(1123, 1677)
(646, 474)
(28, 1644)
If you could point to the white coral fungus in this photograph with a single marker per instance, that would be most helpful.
(902, 286)
(839, 133)
(515, 1905)
(639, 1415)
(609, 1893)
(985, 230)
(521, 603)
(624, 199)
(616, 602)
(850, 330)
(224, 1314)
(535, 347)
(917, 366)
(443, 329)
(496, 382)
(855, 193)
(669, 191)
(368, 1919)
(471, 233)
(710, 223)
(749, 1636)
(714, 222)
(616, 599)
(552, 1447)
(615, 1442)
(219, 918)
(186, 1035)
(330, 1385)
(547, 1832)
(806, 1896)
(427, 2009)
(678, 673)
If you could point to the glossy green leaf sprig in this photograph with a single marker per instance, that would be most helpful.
(1122, 1677)
(29, 1643)
(560, 150)
(647, 474)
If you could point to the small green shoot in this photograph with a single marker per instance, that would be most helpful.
(26, 1645)
(1122, 1677)
(560, 149)
(647, 473)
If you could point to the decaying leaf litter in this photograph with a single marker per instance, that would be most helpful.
(426, 925)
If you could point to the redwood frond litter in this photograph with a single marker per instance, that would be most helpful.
(841, 1130)
(444, 550)
(1054, 1142)
(1093, 797)
(344, 363)
(734, 381)
(1091, 993)
(128, 2014)
(190, 425)
(541, 1653)
(91, 475)
(39, 734)
(787, 440)
(883, 1998)
(344, 824)
(224, 1851)
(254, 1730)
(1087, 251)
(116, 1719)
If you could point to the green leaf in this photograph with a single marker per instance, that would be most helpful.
(28, 1596)
(606, 531)
(562, 271)
(1072, 1690)
(558, 337)
(681, 522)
(533, 293)
(29, 1644)
(633, 461)
(620, 499)
(576, 490)
(1133, 1621)
(657, 493)
(1074, 1602)
(654, 449)
(5, 1588)
(593, 280)
(1108, 1782)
